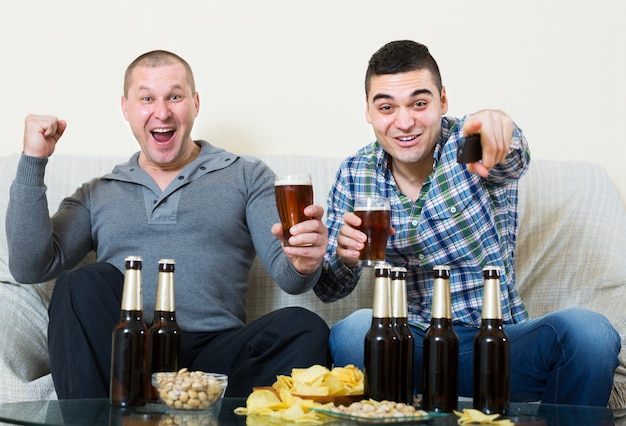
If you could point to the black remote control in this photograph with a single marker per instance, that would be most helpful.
(469, 150)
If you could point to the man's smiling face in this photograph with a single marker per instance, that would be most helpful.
(405, 111)
(161, 108)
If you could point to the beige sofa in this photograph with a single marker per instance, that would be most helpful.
(571, 246)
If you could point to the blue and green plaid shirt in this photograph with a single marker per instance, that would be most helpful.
(460, 220)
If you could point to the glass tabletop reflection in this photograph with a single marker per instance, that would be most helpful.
(98, 412)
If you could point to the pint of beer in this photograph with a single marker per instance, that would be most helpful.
(293, 194)
(376, 223)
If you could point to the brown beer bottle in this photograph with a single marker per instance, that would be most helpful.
(400, 314)
(382, 344)
(128, 370)
(164, 336)
(440, 364)
(491, 351)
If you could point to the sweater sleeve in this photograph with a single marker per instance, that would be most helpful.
(40, 247)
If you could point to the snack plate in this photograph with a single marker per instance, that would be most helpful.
(379, 420)
(337, 400)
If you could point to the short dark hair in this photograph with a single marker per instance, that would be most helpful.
(157, 58)
(401, 56)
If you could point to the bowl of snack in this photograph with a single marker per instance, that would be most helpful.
(189, 390)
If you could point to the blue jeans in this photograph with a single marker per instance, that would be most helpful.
(565, 357)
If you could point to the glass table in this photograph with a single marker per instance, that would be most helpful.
(96, 412)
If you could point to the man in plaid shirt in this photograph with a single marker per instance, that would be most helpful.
(464, 216)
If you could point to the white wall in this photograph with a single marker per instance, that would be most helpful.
(287, 75)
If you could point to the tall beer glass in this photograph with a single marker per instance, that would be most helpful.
(376, 222)
(293, 194)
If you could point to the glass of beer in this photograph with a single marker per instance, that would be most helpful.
(293, 194)
(375, 217)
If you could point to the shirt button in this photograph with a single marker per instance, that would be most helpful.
(414, 222)
(421, 256)
(452, 210)
(181, 177)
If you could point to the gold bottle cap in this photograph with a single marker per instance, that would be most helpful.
(382, 269)
(492, 304)
(166, 265)
(133, 262)
(490, 271)
(441, 307)
(398, 272)
(441, 271)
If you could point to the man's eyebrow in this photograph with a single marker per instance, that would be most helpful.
(421, 92)
(415, 94)
(175, 86)
(381, 96)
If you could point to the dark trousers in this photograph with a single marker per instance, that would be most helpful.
(85, 307)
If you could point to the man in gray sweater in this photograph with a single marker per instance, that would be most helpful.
(210, 210)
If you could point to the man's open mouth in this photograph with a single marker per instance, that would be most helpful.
(162, 135)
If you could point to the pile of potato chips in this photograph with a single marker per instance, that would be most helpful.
(320, 381)
(288, 398)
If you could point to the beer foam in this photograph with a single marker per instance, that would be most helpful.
(371, 208)
(292, 180)
(374, 204)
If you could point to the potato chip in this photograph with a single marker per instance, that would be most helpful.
(350, 375)
(313, 376)
(264, 403)
(296, 413)
(283, 382)
(334, 385)
(472, 416)
(260, 400)
(308, 390)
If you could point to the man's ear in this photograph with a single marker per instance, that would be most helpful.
(123, 101)
(367, 112)
(444, 101)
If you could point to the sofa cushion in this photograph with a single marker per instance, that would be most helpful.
(24, 366)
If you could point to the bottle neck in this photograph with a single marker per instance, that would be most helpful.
(164, 315)
(131, 315)
(382, 299)
(132, 299)
(441, 299)
(399, 307)
(165, 299)
(492, 305)
(382, 322)
(491, 323)
(440, 322)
